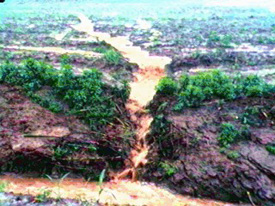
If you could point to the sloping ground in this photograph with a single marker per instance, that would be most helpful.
(187, 156)
(151, 69)
(75, 148)
(38, 141)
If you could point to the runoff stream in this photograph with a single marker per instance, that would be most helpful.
(124, 189)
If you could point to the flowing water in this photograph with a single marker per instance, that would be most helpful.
(121, 191)
(151, 70)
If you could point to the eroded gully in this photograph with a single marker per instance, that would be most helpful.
(124, 190)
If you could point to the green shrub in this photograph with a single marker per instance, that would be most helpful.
(85, 96)
(226, 41)
(253, 86)
(228, 135)
(271, 149)
(213, 38)
(192, 96)
(232, 154)
(168, 169)
(112, 57)
(167, 86)
(31, 74)
(184, 81)
(99, 49)
(47, 102)
(65, 59)
(254, 91)
(191, 91)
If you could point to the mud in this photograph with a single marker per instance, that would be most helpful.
(35, 140)
(187, 143)
(120, 193)
(184, 144)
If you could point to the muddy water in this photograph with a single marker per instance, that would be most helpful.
(121, 193)
(123, 190)
(151, 70)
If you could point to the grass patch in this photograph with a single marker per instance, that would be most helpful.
(3, 186)
(112, 57)
(168, 169)
(43, 196)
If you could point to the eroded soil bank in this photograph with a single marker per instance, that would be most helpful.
(187, 156)
(38, 141)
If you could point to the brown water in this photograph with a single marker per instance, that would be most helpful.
(120, 191)
(151, 70)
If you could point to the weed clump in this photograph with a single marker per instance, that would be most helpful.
(229, 134)
(271, 149)
(233, 155)
(112, 56)
(192, 91)
(168, 169)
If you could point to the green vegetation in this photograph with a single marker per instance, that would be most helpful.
(3, 186)
(252, 116)
(216, 40)
(43, 196)
(65, 59)
(233, 155)
(271, 149)
(168, 169)
(229, 134)
(192, 91)
(100, 183)
(58, 184)
(167, 86)
(112, 57)
(85, 95)
(220, 56)
(64, 151)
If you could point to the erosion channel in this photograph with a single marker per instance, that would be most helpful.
(124, 189)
